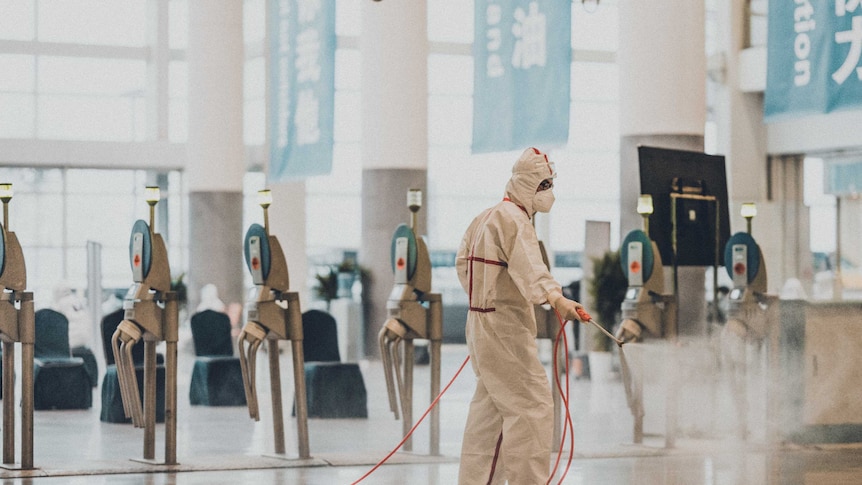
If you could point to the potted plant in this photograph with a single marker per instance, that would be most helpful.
(347, 272)
(179, 287)
(608, 289)
(327, 286)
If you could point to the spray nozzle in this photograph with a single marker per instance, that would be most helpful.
(584, 315)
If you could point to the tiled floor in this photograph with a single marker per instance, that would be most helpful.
(224, 446)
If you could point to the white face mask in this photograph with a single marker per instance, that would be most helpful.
(543, 201)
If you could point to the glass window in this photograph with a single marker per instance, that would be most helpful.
(64, 117)
(450, 120)
(594, 126)
(595, 81)
(595, 29)
(178, 110)
(95, 22)
(100, 77)
(450, 21)
(347, 69)
(254, 122)
(254, 92)
(821, 206)
(17, 73)
(23, 124)
(37, 217)
(254, 82)
(348, 18)
(254, 21)
(16, 23)
(178, 24)
(348, 117)
(450, 74)
(178, 117)
(44, 271)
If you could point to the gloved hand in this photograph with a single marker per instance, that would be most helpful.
(568, 308)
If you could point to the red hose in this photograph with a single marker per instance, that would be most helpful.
(568, 427)
(410, 433)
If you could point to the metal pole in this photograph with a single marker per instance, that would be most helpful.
(27, 334)
(9, 402)
(670, 415)
(638, 394)
(301, 399)
(435, 391)
(294, 321)
(94, 293)
(149, 398)
(673, 239)
(171, 403)
(435, 334)
(838, 284)
(715, 268)
(275, 386)
(171, 337)
(407, 400)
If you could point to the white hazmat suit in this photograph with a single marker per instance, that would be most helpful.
(499, 263)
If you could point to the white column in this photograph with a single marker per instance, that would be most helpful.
(215, 151)
(287, 222)
(394, 47)
(662, 66)
(216, 154)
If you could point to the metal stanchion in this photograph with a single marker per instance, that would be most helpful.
(410, 319)
(151, 315)
(274, 316)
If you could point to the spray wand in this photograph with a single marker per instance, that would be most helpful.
(587, 318)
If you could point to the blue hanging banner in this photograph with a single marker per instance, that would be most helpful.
(302, 79)
(522, 74)
(813, 57)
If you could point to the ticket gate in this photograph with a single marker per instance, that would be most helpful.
(747, 302)
(647, 313)
(752, 315)
(275, 315)
(17, 324)
(413, 313)
(151, 315)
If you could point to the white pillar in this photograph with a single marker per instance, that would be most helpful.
(216, 154)
(287, 222)
(394, 47)
(662, 66)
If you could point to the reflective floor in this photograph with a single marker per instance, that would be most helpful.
(223, 446)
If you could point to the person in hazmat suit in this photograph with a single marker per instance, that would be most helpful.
(499, 263)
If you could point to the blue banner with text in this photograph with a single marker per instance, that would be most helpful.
(522, 74)
(302, 79)
(813, 57)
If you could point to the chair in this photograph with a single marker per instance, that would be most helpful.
(216, 375)
(60, 381)
(333, 389)
(112, 401)
(90, 364)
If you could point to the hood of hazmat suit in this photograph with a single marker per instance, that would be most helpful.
(499, 263)
(528, 172)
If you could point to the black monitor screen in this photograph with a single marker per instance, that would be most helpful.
(665, 171)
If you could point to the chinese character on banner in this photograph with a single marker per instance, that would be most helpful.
(814, 57)
(522, 76)
(303, 88)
